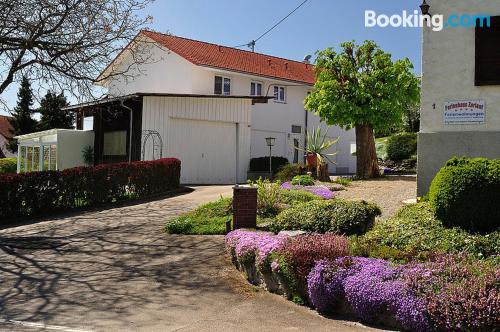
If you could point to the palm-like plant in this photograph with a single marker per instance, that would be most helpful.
(318, 144)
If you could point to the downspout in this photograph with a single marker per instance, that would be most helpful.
(306, 120)
(122, 103)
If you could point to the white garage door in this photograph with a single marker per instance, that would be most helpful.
(207, 150)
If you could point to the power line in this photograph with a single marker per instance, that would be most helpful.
(251, 44)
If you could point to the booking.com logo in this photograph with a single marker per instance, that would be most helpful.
(417, 20)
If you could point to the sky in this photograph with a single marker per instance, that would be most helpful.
(318, 24)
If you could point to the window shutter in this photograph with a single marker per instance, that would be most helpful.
(488, 53)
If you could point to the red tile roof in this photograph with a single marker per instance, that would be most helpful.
(232, 59)
(5, 126)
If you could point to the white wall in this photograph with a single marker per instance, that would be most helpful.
(70, 145)
(158, 112)
(276, 119)
(448, 68)
(173, 74)
(163, 72)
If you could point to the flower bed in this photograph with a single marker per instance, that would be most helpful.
(449, 292)
(320, 190)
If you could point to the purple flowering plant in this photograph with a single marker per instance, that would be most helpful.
(318, 190)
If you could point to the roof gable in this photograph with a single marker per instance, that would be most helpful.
(232, 59)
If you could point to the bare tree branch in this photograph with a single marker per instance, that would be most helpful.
(64, 45)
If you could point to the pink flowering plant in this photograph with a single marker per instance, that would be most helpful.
(248, 246)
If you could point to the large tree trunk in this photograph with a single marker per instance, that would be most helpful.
(366, 154)
(322, 173)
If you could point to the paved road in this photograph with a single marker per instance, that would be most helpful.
(115, 270)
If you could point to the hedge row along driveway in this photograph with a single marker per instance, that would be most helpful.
(41, 193)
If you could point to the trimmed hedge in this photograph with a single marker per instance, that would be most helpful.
(8, 165)
(321, 216)
(261, 164)
(35, 193)
(466, 193)
(401, 146)
(414, 233)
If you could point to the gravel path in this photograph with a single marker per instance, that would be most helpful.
(388, 192)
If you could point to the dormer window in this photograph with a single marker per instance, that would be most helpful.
(222, 85)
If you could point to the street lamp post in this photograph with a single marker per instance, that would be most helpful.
(270, 144)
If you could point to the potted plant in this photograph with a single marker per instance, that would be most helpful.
(316, 156)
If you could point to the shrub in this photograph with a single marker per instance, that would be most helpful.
(29, 194)
(343, 181)
(207, 219)
(336, 216)
(461, 293)
(8, 165)
(261, 164)
(303, 180)
(287, 172)
(401, 146)
(292, 197)
(381, 147)
(302, 251)
(414, 232)
(465, 193)
(268, 197)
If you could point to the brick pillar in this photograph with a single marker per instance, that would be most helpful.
(244, 207)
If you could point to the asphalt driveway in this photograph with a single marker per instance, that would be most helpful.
(115, 270)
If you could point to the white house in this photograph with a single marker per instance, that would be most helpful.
(209, 105)
(460, 105)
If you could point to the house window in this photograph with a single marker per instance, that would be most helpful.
(115, 143)
(222, 85)
(255, 89)
(279, 94)
(296, 129)
(488, 53)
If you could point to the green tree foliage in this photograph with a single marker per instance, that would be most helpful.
(51, 114)
(362, 88)
(22, 116)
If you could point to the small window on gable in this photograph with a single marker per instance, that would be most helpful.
(222, 85)
(255, 89)
(279, 94)
(487, 52)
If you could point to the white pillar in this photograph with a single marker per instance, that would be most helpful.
(18, 158)
(40, 158)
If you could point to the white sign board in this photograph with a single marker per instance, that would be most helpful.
(464, 112)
